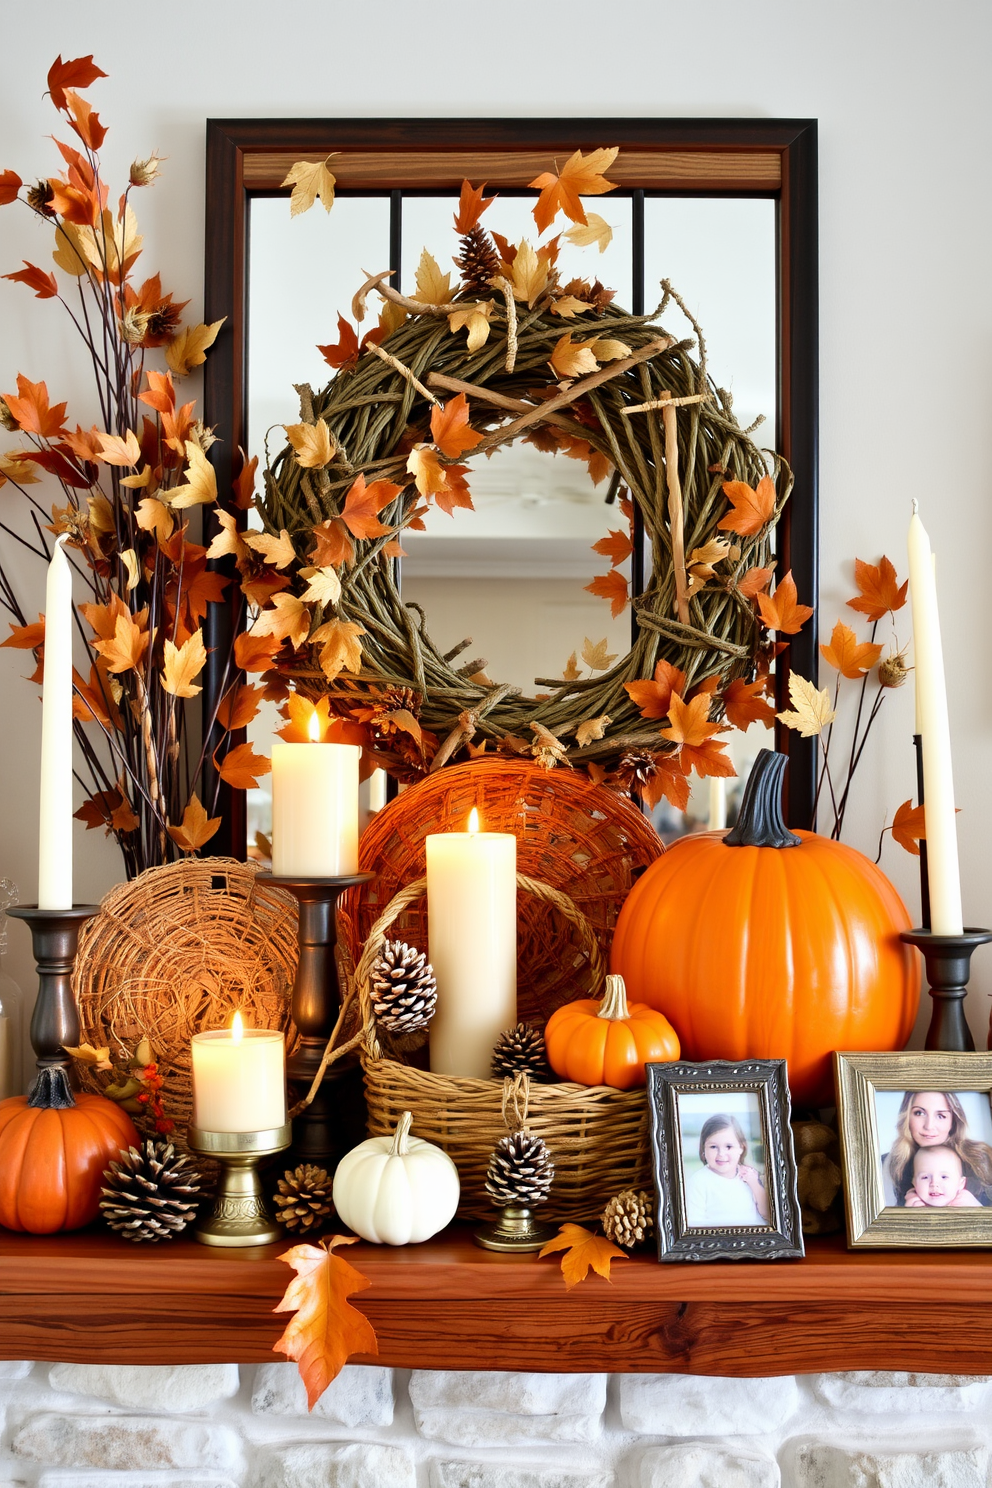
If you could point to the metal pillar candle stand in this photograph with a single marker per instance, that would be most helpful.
(334, 1121)
(55, 1020)
(239, 1215)
(948, 966)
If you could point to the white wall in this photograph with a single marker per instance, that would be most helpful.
(900, 90)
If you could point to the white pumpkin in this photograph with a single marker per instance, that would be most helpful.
(396, 1190)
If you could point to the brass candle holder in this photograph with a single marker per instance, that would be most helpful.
(514, 1230)
(239, 1215)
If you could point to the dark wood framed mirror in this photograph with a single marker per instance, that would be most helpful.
(397, 161)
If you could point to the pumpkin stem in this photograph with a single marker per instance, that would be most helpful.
(614, 1003)
(400, 1147)
(760, 822)
(50, 1090)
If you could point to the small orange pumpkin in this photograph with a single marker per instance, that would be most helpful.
(608, 1043)
(53, 1151)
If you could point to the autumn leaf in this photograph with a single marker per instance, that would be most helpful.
(239, 706)
(471, 207)
(780, 611)
(572, 359)
(450, 428)
(689, 726)
(323, 587)
(119, 450)
(880, 590)
(341, 650)
(254, 653)
(567, 306)
(528, 274)
(596, 230)
(44, 285)
(909, 827)
(425, 467)
(181, 664)
(583, 175)
(754, 581)
(326, 1330)
(26, 637)
(332, 545)
(109, 809)
(812, 710)
(84, 120)
(583, 1250)
(200, 487)
(30, 408)
(433, 287)
(189, 348)
(753, 508)
(572, 671)
(745, 704)
(244, 483)
(343, 352)
(75, 72)
(592, 728)
(10, 185)
(310, 180)
(475, 319)
(301, 713)
(701, 562)
(96, 699)
(847, 655)
(359, 516)
(668, 780)
(455, 492)
(241, 767)
(126, 647)
(228, 540)
(196, 827)
(287, 618)
(278, 552)
(313, 444)
(97, 1059)
(617, 547)
(653, 697)
(596, 655)
(611, 586)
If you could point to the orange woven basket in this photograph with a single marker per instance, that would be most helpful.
(581, 838)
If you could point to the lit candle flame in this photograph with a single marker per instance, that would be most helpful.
(473, 820)
(313, 727)
(237, 1028)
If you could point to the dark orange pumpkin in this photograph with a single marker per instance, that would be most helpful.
(53, 1152)
(608, 1042)
(763, 943)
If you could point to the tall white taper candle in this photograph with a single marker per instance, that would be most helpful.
(55, 821)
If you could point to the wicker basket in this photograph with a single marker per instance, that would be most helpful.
(581, 838)
(599, 1137)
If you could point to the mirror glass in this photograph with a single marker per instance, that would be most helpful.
(512, 573)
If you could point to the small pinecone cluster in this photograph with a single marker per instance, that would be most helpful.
(150, 1192)
(303, 1200)
(521, 1051)
(628, 1220)
(404, 992)
(477, 261)
(520, 1170)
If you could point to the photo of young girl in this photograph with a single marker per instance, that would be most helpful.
(723, 1161)
(912, 1122)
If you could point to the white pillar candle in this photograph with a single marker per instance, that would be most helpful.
(938, 780)
(55, 823)
(718, 803)
(239, 1079)
(314, 809)
(472, 925)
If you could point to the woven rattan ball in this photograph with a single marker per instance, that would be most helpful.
(179, 950)
(582, 838)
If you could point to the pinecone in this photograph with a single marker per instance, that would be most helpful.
(629, 1218)
(478, 261)
(404, 992)
(304, 1198)
(150, 1193)
(521, 1051)
(520, 1170)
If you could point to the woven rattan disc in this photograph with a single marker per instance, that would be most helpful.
(179, 950)
(581, 838)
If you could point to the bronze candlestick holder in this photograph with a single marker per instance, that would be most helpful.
(55, 1020)
(334, 1121)
(239, 1214)
(514, 1231)
(948, 966)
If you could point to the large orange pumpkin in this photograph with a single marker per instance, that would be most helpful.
(763, 943)
(608, 1042)
(53, 1152)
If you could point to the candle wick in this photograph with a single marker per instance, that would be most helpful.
(916, 506)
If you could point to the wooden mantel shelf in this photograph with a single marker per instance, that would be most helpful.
(90, 1298)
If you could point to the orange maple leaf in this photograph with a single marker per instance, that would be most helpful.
(254, 653)
(909, 827)
(359, 516)
(754, 581)
(344, 352)
(653, 697)
(239, 706)
(471, 207)
(880, 589)
(244, 482)
(326, 1330)
(583, 1250)
(30, 407)
(241, 767)
(847, 655)
(10, 185)
(669, 780)
(455, 491)
(745, 704)
(160, 393)
(450, 429)
(780, 610)
(690, 727)
(583, 175)
(94, 699)
(26, 637)
(425, 467)
(611, 586)
(126, 647)
(617, 547)
(44, 285)
(75, 72)
(754, 507)
(301, 711)
(84, 120)
(332, 545)
(108, 809)
(196, 827)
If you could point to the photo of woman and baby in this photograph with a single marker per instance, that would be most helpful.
(723, 1160)
(935, 1148)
